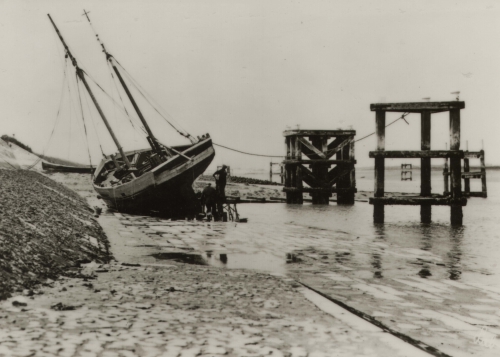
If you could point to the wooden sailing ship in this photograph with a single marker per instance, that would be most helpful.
(158, 178)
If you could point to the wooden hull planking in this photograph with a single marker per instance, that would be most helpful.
(167, 188)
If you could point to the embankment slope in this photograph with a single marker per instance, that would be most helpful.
(45, 230)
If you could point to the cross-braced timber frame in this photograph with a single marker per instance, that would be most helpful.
(426, 199)
(319, 150)
(467, 175)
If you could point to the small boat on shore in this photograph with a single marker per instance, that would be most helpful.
(48, 166)
(158, 178)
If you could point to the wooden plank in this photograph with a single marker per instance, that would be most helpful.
(416, 201)
(311, 148)
(472, 175)
(310, 179)
(455, 129)
(425, 162)
(318, 132)
(456, 177)
(400, 154)
(339, 147)
(466, 177)
(380, 129)
(425, 166)
(287, 146)
(478, 194)
(320, 161)
(320, 189)
(483, 171)
(379, 177)
(336, 175)
(472, 154)
(417, 107)
(446, 174)
(298, 148)
(351, 157)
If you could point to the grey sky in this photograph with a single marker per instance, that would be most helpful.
(244, 71)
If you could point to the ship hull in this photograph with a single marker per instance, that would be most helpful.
(166, 189)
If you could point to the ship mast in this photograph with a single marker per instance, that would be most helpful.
(80, 74)
(109, 57)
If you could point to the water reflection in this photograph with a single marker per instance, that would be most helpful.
(455, 253)
(426, 244)
(376, 258)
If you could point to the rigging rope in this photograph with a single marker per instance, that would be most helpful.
(93, 124)
(139, 88)
(120, 96)
(84, 126)
(109, 96)
(55, 122)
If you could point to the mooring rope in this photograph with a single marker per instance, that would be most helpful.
(281, 156)
(401, 117)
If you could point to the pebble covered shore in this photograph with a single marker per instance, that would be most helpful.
(45, 230)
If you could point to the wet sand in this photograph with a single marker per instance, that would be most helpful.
(169, 306)
(142, 305)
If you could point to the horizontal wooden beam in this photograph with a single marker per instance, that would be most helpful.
(311, 189)
(416, 154)
(473, 154)
(318, 132)
(417, 107)
(319, 161)
(418, 200)
(472, 174)
(477, 194)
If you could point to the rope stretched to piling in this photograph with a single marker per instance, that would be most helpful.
(392, 122)
(247, 153)
(282, 156)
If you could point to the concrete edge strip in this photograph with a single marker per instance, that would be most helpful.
(416, 343)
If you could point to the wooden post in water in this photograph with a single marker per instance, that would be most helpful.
(425, 166)
(456, 214)
(299, 197)
(446, 175)
(379, 209)
(483, 175)
(466, 178)
(348, 180)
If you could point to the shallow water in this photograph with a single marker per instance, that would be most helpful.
(467, 253)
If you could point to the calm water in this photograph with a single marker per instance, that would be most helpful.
(469, 253)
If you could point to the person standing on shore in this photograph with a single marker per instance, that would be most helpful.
(220, 182)
(208, 199)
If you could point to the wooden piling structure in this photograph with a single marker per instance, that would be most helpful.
(315, 148)
(467, 175)
(426, 199)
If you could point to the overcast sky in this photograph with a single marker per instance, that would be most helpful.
(244, 71)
